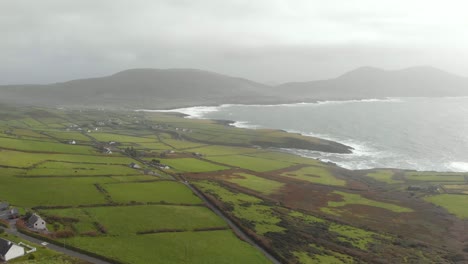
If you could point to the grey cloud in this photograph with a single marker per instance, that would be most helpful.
(265, 40)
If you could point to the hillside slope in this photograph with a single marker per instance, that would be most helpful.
(369, 82)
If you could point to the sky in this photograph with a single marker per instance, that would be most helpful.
(270, 41)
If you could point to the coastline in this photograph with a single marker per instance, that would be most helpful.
(362, 154)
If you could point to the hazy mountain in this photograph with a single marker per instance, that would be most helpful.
(152, 88)
(155, 88)
(369, 82)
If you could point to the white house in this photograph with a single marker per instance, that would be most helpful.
(36, 222)
(9, 250)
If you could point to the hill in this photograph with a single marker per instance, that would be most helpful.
(369, 82)
(154, 88)
(173, 88)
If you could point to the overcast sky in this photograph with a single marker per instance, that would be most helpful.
(263, 40)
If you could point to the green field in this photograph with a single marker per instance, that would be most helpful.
(128, 220)
(383, 176)
(256, 183)
(454, 203)
(30, 192)
(350, 198)
(251, 163)
(192, 165)
(25, 159)
(435, 176)
(212, 247)
(107, 137)
(80, 169)
(315, 175)
(41, 146)
(160, 191)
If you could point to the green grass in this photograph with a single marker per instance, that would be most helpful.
(128, 220)
(43, 146)
(245, 207)
(383, 176)
(160, 191)
(315, 175)
(305, 258)
(454, 203)
(436, 176)
(349, 198)
(222, 150)
(71, 135)
(357, 237)
(192, 165)
(79, 169)
(107, 137)
(305, 217)
(182, 144)
(251, 163)
(256, 183)
(25, 159)
(280, 156)
(29, 192)
(213, 247)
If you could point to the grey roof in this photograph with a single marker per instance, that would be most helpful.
(5, 246)
(33, 219)
(4, 205)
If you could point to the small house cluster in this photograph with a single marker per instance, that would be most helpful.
(8, 213)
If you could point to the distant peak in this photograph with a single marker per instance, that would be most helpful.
(362, 71)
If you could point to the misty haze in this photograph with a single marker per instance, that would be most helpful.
(233, 132)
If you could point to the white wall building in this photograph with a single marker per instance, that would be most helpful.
(9, 250)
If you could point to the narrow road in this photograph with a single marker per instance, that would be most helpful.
(233, 226)
(13, 231)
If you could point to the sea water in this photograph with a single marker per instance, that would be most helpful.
(409, 133)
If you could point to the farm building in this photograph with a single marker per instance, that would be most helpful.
(134, 166)
(9, 250)
(36, 222)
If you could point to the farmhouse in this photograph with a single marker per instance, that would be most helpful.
(134, 166)
(36, 222)
(9, 250)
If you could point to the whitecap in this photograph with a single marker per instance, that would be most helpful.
(458, 166)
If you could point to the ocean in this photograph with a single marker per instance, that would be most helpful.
(429, 134)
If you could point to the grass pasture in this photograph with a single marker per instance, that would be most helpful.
(436, 176)
(30, 192)
(26, 159)
(383, 176)
(192, 165)
(350, 198)
(315, 175)
(256, 183)
(107, 137)
(79, 169)
(128, 220)
(210, 247)
(456, 204)
(43, 146)
(251, 163)
(159, 191)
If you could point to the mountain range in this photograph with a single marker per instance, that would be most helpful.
(172, 88)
